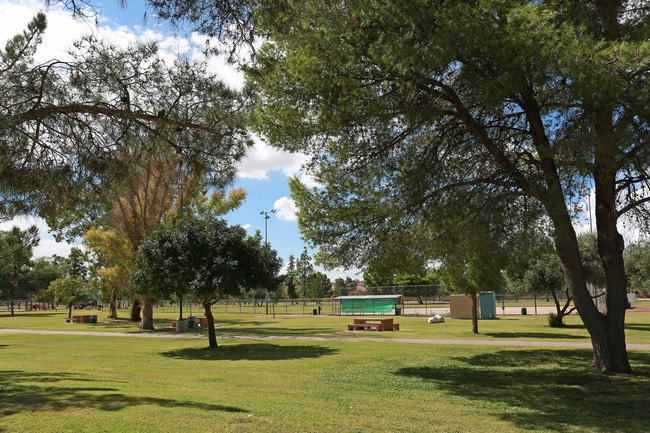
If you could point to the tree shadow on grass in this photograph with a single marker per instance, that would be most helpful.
(638, 326)
(22, 391)
(536, 335)
(545, 389)
(274, 331)
(29, 314)
(251, 351)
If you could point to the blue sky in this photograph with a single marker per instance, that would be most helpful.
(263, 173)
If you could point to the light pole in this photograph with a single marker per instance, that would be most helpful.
(586, 192)
(266, 214)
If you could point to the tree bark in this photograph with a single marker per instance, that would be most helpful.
(147, 314)
(474, 313)
(112, 312)
(212, 335)
(610, 353)
(136, 309)
(606, 330)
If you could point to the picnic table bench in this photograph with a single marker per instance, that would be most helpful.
(86, 318)
(376, 324)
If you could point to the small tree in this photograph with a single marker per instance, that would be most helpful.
(304, 269)
(318, 285)
(72, 287)
(15, 253)
(114, 259)
(545, 275)
(207, 258)
(637, 267)
(69, 291)
(290, 278)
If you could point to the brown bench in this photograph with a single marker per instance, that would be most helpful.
(377, 324)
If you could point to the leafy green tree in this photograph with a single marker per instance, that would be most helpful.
(472, 251)
(208, 259)
(304, 270)
(421, 99)
(637, 267)
(319, 285)
(544, 275)
(69, 291)
(15, 254)
(42, 272)
(72, 287)
(290, 278)
(113, 257)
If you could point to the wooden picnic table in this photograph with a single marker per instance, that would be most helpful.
(378, 324)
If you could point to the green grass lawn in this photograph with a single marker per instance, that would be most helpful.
(81, 383)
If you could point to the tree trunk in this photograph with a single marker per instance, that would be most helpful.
(606, 330)
(112, 311)
(136, 309)
(147, 314)
(212, 335)
(70, 310)
(610, 353)
(474, 313)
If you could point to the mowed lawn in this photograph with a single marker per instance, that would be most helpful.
(335, 383)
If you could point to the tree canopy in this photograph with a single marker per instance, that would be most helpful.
(70, 130)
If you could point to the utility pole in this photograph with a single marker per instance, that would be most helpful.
(266, 214)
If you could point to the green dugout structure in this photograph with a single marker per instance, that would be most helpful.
(370, 304)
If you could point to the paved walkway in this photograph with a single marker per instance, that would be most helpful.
(495, 342)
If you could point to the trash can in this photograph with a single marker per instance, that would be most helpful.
(524, 311)
(191, 322)
(314, 312)
(93, 319)
(398, 311)
(181, 325)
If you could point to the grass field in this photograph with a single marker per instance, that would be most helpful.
(82, 383)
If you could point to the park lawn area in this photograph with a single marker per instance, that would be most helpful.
(509, 327)
(338, 383)
(80, 383)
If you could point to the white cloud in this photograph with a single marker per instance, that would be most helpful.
(309, 181)
(333, 274)
(47, 246)
(262, 158)
(286, 209)
(23, 223)
(61, 29)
